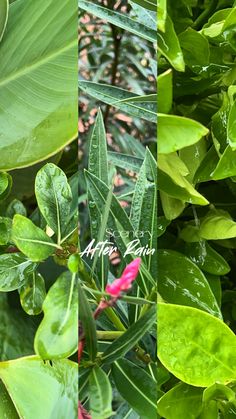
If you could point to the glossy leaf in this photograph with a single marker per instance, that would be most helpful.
(180, 402)
(114, 96)
(217, 225)
(168, 45)
(31, 240)
(182, 282)
(56, 336)
(176, 132)
(196, 50)
(4, 6)
(207, 258)
(136, 386)
(147, 4)
(42, 120)
(165, 92)
(100, 390)
(226, 166)
(5, 230)
(161, 14)
(87, 324)
(203, 346)
(15, 270)
(118, 19)
(130, 338)
(54, 197)
(32, 294)
(27, 378)
(5, 185)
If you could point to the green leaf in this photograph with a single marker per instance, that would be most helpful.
(100, 392)
(176, 132)
(218, 392)
(168, 45)
(136, 386)
(165, 91)
(172, 180)
(5, 230)
(125, 161)
(88, 324)
(121, 20)
(182, 282)
(56, 336)
(32, 294)
(54, 197)
(217, 225)
(161, 14)
(52, 391)
(15, 269)
(226, 166)
(43, 116)
(114, 96)
(7, 408)
(5, 185)
(31, 240)
(203, 346)
(130, 338)
(182, 401)
(172, 207)
(207, 258)
(147, 4)
(4, 6)
(196, 50)
(16, 207)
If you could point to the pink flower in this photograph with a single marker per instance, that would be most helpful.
(124, 283)
(82, 413)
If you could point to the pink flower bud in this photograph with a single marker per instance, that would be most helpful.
(124, 283)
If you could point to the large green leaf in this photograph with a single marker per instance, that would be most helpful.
(54, 197)
(4, 6)
(100, 390)
(137, 387)
(115, 96)
(196, 347)
(56, 336)
(32, 294)
(15, 269)
(217, 225)
(182, 401)
(38, 388)
(168, 45)
(121, 20)
(38, 86)
(182, 282)
(207, 258)
(31, 240)
(130, 338)
(176, 132)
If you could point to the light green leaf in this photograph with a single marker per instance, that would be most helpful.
(50, 391)
(136, 386)
(182, 401)
(218, 392)
(176, 132)
(203, 346)
(161, 14)
(43, 108)
(100, 392)
(165, 91)
(121, 20)
(130, 338)
(31, 240)
(56, 336)
(15, 269)
(168, 45)
(54, 197)
(182, 282)
(5, 185)
(32, 294)
(196, 50)
(5, 230)
(4, 6)
(114, 96)
(88, 324)
(226, 167)
(217, 225)
(172, 207)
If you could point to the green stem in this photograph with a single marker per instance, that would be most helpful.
(199, 22)
(108, 334)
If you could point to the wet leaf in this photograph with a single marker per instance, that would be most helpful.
(32, 294)
(15, 269)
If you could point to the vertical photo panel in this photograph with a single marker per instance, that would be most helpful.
(38, 209)
(117, 209)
